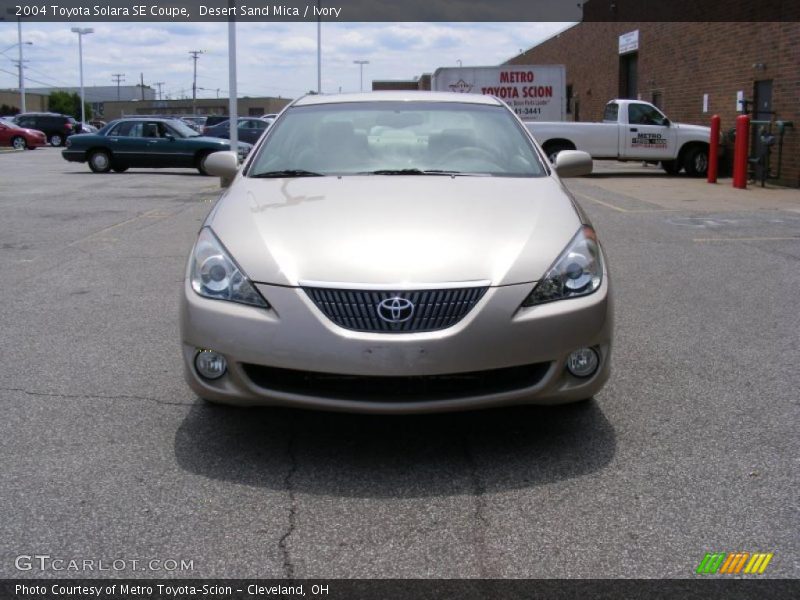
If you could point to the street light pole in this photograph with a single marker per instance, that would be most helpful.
(361, 64)
(82, 31)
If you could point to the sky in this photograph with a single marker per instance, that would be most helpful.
(274, 59)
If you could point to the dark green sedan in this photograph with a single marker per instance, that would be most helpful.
(145, 142)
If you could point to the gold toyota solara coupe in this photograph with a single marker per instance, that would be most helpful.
(396, 252)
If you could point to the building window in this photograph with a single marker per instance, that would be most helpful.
(255, 112)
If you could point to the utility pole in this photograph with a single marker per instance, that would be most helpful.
(195, 55)
(141, 83)
(159, 84)
(21, 66)
(117, 77)
(319, 49)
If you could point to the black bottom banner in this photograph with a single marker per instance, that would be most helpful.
(390, 589)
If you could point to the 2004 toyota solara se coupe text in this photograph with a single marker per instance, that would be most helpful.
(396, 252)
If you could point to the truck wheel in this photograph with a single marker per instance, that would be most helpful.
(671, 166)
(552, 150)
(696, 162)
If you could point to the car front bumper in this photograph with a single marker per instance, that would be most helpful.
(284, 355)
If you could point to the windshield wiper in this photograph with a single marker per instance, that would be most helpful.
(417, 172)
(287, 173)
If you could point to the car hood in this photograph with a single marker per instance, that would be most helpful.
(696, 129)
(395, 229)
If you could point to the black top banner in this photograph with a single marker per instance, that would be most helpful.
(400, 10)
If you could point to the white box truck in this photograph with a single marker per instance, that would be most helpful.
(534, 92)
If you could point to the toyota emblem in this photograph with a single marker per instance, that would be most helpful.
(395, 309)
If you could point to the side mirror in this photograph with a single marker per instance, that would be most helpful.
(573, 163)
(222, 164)
(666, 122)
(169, 136)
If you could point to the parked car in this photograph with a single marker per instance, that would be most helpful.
(631, 130)
(20, 137)
(98, 123)
(212, 120)
(145, 142)
(250, 129)
(397, 252)
(87, 128)
(195, 122)
(56, 127)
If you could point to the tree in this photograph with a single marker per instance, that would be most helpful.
(68, 104)
(5, 109)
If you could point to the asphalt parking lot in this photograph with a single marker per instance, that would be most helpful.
(692, 447)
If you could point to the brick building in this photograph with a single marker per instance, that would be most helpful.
(690, 70)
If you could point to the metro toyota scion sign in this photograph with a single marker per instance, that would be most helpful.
(534, 92)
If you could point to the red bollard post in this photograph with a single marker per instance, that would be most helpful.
(713, 149)
(740, 151)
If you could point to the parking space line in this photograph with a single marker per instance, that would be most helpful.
(149, 213)
(606, 204)
(747, 239)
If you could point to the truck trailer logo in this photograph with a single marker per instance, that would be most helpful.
(733, 563)
(461, 87)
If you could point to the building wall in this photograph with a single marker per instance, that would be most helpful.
(102, 93)
(206, 106)
(679, 62)
(33, 102)
(423, 83)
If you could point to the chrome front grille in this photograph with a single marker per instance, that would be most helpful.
(359, 309)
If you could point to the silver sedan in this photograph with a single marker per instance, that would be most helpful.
(394, 253)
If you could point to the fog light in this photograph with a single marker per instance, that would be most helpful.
(210, 364)
(583, 362)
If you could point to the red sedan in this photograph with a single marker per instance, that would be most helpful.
(20, 137)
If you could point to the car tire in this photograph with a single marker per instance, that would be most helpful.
(99, 161)
(201, 164)
(696, 161)
(119, 168)
(18, 142)
(56, 140)
(671, 167)
(552, 150)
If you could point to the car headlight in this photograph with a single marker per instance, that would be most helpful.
(214, 274)
(578, 271)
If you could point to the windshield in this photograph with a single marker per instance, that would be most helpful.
(403, 138)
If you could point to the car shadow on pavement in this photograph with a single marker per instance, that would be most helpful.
(186, 173)
(395, 456)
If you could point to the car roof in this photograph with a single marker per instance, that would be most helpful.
(146, 118)
(397, 96)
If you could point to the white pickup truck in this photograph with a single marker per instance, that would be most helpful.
(631, 130)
